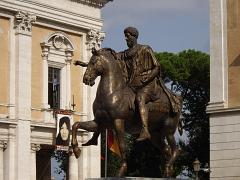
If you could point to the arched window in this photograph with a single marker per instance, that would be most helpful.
(57, 52)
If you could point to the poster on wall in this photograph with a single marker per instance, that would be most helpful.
(63, 131)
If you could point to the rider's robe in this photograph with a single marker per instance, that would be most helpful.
(140, 62)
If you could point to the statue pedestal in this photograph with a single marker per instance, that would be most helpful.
(133, 178)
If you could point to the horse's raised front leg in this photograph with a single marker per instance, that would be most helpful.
(119, 128)
(91, 126)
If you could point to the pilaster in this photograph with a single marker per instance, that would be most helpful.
(12, 102)
(73, 167)
(218, 55)
(34, 149)
(89, 155)
(3, 146)
(10, 155)
(23, 28)
(94, 39)
(83, 162)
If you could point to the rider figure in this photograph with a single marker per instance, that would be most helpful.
(142, 68)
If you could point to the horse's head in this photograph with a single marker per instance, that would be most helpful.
(97, 64)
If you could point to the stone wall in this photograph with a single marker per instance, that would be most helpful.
(224, 105)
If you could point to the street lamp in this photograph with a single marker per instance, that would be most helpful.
(196, 167)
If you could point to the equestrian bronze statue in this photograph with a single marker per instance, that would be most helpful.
(132, 98)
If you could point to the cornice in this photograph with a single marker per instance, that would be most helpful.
(52, 14)
(8, 121)
(94, 3)
(221, 110)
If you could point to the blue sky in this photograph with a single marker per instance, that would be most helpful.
(165, 25)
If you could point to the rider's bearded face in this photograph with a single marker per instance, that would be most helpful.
(131, 40)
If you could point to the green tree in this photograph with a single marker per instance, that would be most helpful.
(188, 74)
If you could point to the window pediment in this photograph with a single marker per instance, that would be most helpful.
(57, 45)
(59, 41)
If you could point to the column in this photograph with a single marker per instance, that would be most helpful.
(34, 149)
(3, 146)
(63, 88)
(23, 28)
(73, 167)
(45, 52)
(69, 54)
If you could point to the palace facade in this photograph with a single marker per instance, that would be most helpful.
(39, 41)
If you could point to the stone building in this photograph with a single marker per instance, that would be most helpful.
(39, 40)
(224, 106)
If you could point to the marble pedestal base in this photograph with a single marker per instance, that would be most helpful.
(132, 178)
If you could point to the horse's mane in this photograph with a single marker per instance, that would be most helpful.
(115, 56)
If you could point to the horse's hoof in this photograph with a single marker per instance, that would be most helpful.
(76, 151)
(144, 135)
(122, 170)
(91, 142)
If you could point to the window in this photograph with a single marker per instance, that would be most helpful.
(54, 87)
(57, 53)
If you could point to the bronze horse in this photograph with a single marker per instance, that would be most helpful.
(114, 109)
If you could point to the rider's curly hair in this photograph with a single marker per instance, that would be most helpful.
(131, 30)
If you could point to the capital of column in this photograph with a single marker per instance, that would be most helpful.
(69, 55)
(3, 145)
(45, 50)
(94, 39)
(23, 22)
(35, 147)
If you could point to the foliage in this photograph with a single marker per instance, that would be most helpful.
(144, 160)
(62, 160)
(189, 73)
